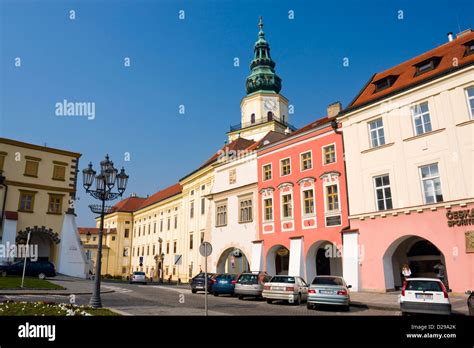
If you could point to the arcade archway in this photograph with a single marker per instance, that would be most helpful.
(278, 260)
(234, 261)
(323, 258)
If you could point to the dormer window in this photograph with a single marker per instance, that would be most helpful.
(252, 118)
(385, 82)
(427, 65)
(469, 48)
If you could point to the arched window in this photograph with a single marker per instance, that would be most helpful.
(252, 118)
(283, 119)
(270, 116)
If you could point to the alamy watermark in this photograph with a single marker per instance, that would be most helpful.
(68, 108)
(12, 251)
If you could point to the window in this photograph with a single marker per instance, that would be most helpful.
(306, 162)
(125, 252)
(332, 198)
(148, 250)
(267, 172)
(149, 228)
(285, 167)
(153, 249)
(383, 194)
(245, 210)
(113, 238)
(270, 116)
(27, 201)
(167, 269)
(308, 202)
(174, 270)
(203, 187)
(469, 48)
(175, 221)
(169, 224)
(252, 118)
(191, 241)
(268, 209)
(55, 203)
(154, 227)
(385, 82)
(161, 225)
(126, 233)
(221, 214)
(59, 172)
(427, 65)
(191, 210)
(287, 208)
(202, 237)
(94, 238)
(421, 118)
(203, 206)
(2, 159)
(431, 183)
(470, 102)
(167, 247)
(329, 153)
(31, 168)
(377, 136)
(139, 230)
(175, 247)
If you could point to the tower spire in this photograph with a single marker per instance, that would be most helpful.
(262, 76)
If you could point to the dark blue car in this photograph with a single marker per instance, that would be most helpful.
(224, 284)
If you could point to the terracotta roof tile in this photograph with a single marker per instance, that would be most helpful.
(405, 72)
(168, 192)
(95, 230)
(129, 204)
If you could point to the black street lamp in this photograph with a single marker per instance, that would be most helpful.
(104, 183)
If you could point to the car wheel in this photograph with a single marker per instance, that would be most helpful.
(309, 305)
(215, 294)
(42, 276)
(298, 300)
(4, 273)
(347, 308)
(240, 297)
(193, 291)
(269, 301)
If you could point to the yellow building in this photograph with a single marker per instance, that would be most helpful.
(110, 250)
(39, 190)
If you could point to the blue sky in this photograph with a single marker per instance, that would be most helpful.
(190, 62)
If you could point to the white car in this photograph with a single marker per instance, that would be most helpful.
(286, 288)
(424, 295)
(138, 277)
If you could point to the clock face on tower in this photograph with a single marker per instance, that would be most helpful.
(270, 105)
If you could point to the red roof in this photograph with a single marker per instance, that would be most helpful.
(128, 204)
(95, 230)
(162, 195)
(405, 72)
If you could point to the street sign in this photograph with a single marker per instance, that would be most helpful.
(205, 249)
(178, 260)
(140, 261)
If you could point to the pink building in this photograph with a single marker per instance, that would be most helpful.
(302, 205)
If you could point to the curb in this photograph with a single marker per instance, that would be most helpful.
(118, 311)
(374, 306)
(49, 293)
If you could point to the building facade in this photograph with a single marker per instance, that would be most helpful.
(408, 140)
(301, 202)
(38, 192)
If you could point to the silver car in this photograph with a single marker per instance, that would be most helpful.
(329, 290)
(138, 277)
(250, 284)
(286, 288)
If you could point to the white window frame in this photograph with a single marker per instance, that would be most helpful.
(326, 210)
(243, 199)
(383, 187)
(303, 213)
(430, 178)
(376, 131)
(301, 160)
(414, 116)
(290, 193)
(281, 167)
(218, 205)
(323, 154)
(264, 220)
(468, 98)
(263, 171)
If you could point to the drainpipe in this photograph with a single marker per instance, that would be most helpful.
(3, 183)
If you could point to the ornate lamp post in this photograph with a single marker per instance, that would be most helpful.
(104, 182)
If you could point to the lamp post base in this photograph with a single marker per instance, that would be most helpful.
(95, 302)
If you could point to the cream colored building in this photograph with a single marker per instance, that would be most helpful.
(40, 195)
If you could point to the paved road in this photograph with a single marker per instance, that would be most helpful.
(152, 299)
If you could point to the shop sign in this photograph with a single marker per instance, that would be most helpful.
(460, 217)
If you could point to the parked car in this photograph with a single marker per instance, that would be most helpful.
(198, 282)
(329, 290)
(40, 269)
(250, 284)
(138, 277)
(286, 288)
(224, 284)
(424, 295)
(470, 301)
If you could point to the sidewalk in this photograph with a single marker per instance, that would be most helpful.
(389, 301)
(76, 286)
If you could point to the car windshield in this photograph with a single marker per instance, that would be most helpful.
(248, 278)
(328, 281)
(139, 273)
(424, 285)
(225, 276)
(279, 279)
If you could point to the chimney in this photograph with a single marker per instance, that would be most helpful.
(450, 36)
(133, 194)
(334, 109)
(287, 130)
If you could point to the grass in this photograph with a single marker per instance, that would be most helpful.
(10, 282)
(11, 308)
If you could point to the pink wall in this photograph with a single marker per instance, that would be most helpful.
(292, 148)
(377, 235)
